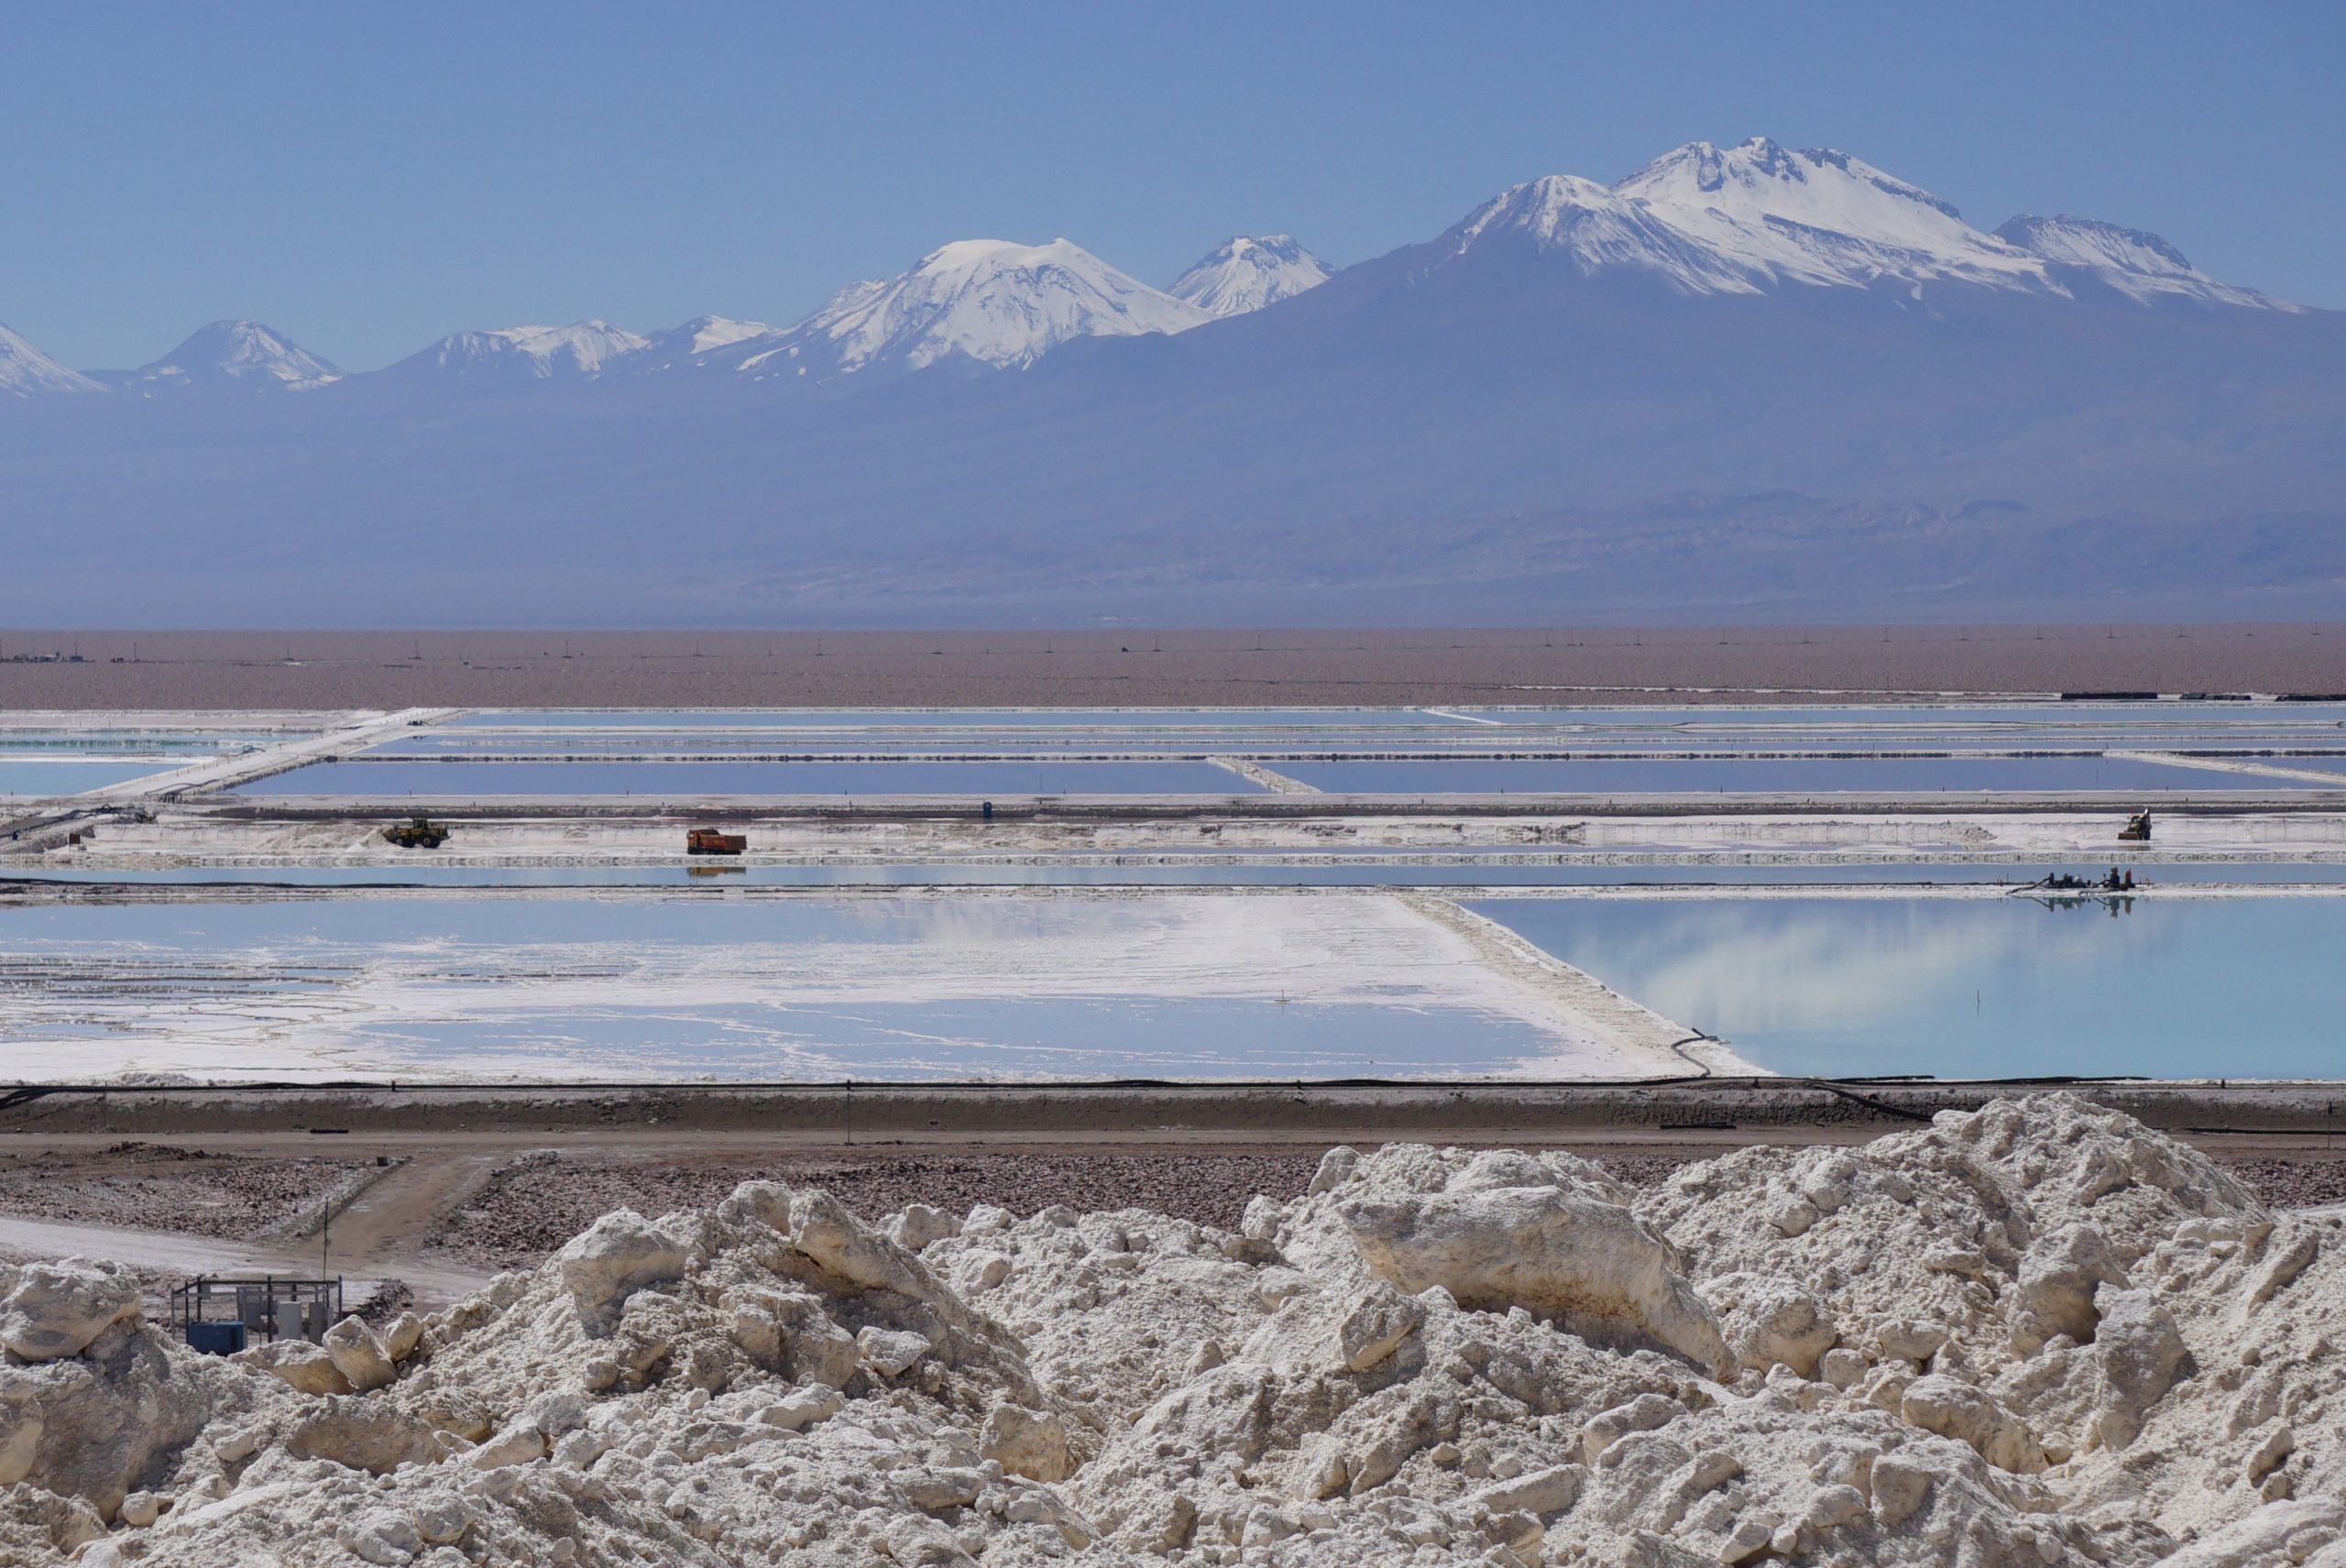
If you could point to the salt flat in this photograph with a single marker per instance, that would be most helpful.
(1260, 932)
(1020, 983)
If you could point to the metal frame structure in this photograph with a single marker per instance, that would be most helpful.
(255, 1301)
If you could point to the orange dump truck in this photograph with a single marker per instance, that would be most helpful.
(709, 841)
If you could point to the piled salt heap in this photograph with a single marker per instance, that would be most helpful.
(2036, 1334)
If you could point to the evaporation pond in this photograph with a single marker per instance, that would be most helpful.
(2164, 987)
(694, 720)
(448, 778)
(179, 743)
(1771, 775)
(1301, 867)
(1227, 985)
(887, 745)
(1928, 716)
(29, 779)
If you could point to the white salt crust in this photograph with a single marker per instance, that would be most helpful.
(2038, 1333)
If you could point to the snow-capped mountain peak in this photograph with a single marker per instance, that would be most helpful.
(2130, 260)
(1757, 215)
(1248, 271)
(986, 302)
(26, 372)
(578, 352)
(1762, 176)
(1593, 228)
(244, 355)
(1818, 215)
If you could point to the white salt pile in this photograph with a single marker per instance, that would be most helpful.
(2036, 1334)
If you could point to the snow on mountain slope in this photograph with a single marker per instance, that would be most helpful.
(1751, 218)
(2087, 242)
(1463, 428)
(1820, 216)
(985, 302)
(702, 334)
(2137, 264)
(578, 352)
(27, 372)
(229, 354)
(1248, 271)
(1591, 228)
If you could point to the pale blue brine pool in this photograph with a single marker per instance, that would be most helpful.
(808, 989)
(795, 745)
(688, 720)
(1265, 868)
(450, 779)
(185, 745)
(1875, 985)
(1938, 715)
(2214, 718)
(1089, 1037)
(1786, 775)
(21, 779)
(1970, 988)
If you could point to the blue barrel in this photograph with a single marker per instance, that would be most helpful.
(216, 1338)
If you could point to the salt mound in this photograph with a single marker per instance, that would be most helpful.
(2039, 1333)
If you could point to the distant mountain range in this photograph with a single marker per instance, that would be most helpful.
(1744, 382)
(982, 304)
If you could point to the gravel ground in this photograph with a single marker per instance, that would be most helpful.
(540, 1204)
(535, 1206)
(2292, 1183)
(156, 1187)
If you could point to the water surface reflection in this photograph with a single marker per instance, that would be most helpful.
(1984, 988)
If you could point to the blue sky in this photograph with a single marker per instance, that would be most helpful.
(369, 177)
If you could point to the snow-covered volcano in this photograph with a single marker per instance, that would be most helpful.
(26, 372)
(1248, 271)
(986, 303)
(229, 354)
(1757, 215)
(1711, 220)
(1819, 216)
(522, 354)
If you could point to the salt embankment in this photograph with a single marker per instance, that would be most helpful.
(2034, 1334)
